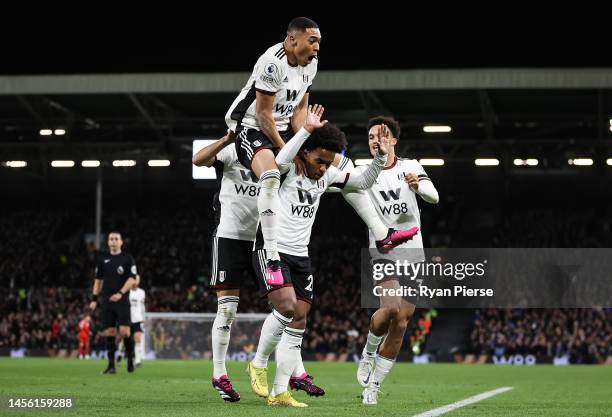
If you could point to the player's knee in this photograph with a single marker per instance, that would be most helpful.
(401, 323)
(391, 311)
(124, 332)
(299, 321)
(286, 308)
(405, 313)
(269, 181)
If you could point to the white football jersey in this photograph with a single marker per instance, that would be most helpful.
(272, 74)
(137, 305)
(235, 202)
(395, 202)
(300, 197)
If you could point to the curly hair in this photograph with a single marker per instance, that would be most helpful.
(328, 137)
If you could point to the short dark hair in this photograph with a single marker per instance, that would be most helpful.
(388, 121)
(115, 231)
(328, 137)
(301, 24)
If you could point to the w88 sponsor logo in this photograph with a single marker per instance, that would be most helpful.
(303, 211)
(394, 209)
(250, 190)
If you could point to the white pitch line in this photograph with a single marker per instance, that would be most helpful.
(471, 400)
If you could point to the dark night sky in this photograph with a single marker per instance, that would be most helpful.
(181, 40)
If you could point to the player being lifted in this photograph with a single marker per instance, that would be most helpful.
(261, 117)
(235, 205)
(271, 106)
(395, 198)
(284, 328)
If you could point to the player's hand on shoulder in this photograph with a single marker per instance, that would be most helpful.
(92, 305)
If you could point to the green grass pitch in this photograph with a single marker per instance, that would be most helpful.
(183, 388)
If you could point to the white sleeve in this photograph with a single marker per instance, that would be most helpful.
(269, 74)
(227, 154)
(337, 179)
(345, 165)
(284, 168)
(426, 190)
(363, 180)
(292, 147)
(420, 171)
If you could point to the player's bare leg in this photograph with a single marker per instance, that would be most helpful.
(400, 312)
(379, 326)
(393, 342)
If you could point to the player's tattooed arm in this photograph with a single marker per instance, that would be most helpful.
(207, 155)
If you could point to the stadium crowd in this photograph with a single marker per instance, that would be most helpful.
(46, 270)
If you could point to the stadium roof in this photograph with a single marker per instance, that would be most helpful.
(162, 112)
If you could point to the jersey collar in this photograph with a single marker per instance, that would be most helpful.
(392, 165)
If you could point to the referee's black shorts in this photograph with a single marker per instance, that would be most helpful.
(116, 313)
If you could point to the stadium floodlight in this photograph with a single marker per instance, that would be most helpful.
(359, 162)
(59, 132)
(159, 163)
(532, 162)
(124, 163)
(91, 163)
(486, 162)
(609, 161)
(436, 129)
(15, 164)
(610, 128)
(45, 132)
(62, 164)
(584, 162)
(431, 162)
